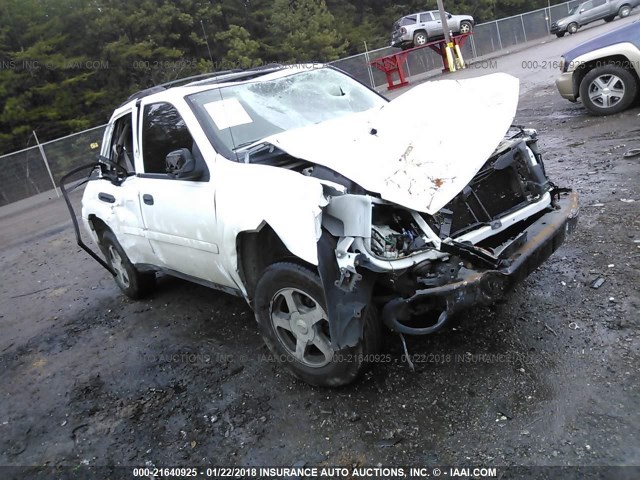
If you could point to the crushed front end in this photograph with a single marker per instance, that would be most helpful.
(421, 269)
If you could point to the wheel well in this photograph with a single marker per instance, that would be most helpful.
(422, 30)
(586, 67)
(98, 226)
(258, 250)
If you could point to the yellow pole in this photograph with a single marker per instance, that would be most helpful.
(450, 61)
(459, 55)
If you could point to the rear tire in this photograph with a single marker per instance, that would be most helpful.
(291, 312)
(608, 89)
(133, 283)
(420, 39)
(624, 11)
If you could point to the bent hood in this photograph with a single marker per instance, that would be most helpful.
(419, 150)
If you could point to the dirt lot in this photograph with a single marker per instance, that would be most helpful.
(548, 377)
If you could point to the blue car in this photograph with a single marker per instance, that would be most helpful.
(603, 72)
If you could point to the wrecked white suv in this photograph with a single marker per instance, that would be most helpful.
(312, 197)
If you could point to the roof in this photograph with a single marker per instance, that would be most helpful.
(212, 78)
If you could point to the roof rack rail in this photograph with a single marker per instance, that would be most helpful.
(239, 74)
(207, 78)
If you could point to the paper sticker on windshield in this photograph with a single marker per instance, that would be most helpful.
(227, 113)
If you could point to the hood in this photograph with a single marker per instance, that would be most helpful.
(419, 150)
(627, 34)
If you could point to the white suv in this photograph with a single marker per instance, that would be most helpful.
(298, 189)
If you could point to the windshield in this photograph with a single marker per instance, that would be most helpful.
(236, 116)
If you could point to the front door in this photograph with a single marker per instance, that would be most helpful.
(179, 215)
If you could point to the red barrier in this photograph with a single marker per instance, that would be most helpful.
(394, 63)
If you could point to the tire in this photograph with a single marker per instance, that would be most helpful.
(624, 11)
(608, 89)
(133, 283)
(610, 19)
(420, 38)
(560, 34)
(466, 27)
(304, 346)
(572, 28)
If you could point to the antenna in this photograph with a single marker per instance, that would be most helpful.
(206, 39)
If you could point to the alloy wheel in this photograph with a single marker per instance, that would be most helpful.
(301, 326)
(606, 91)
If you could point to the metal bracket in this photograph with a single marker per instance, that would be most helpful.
(347, 262)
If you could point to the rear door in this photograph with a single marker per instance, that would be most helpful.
(435, 25)
(120, 202)
(179, 215)
(599, 10)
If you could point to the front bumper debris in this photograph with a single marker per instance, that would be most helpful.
(483, 287)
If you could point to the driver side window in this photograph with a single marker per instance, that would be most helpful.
(164, 131)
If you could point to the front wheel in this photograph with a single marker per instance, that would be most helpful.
(608, 89)
(290, 309)
(560, 34)
(624, 11)
(465, 27)
(610, 19)
(133, 283)
(572, 28)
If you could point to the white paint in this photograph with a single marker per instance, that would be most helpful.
(407, 151)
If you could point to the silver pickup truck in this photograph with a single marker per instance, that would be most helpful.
(591, 11)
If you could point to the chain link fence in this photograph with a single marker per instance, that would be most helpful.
(25, 173)
(38, 169)
(487, 38)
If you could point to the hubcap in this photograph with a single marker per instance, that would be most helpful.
(116, 263)
(624, 12)
(421, 39)
(302, 327)
(606, 91)
(464, 28)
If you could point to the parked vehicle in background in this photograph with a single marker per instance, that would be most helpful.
(603, 72)
(418, 29)
(592, 11)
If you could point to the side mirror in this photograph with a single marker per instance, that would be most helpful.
(449, 15)
(181, 164)
(582, 10)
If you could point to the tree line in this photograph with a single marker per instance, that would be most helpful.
(65, 64)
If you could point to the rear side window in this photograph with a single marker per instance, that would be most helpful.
(163, 131)
(121, 146)
(410, 20)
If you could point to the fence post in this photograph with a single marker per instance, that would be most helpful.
(499, 37)
(367, 59)
(46, 163)
(548, 22)
(524, 31)
(474, 53)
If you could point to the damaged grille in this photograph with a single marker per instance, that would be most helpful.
(507, 182)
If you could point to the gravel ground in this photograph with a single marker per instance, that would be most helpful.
(547, 377)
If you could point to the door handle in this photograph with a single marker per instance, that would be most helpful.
(147, 199)
(105, 197)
